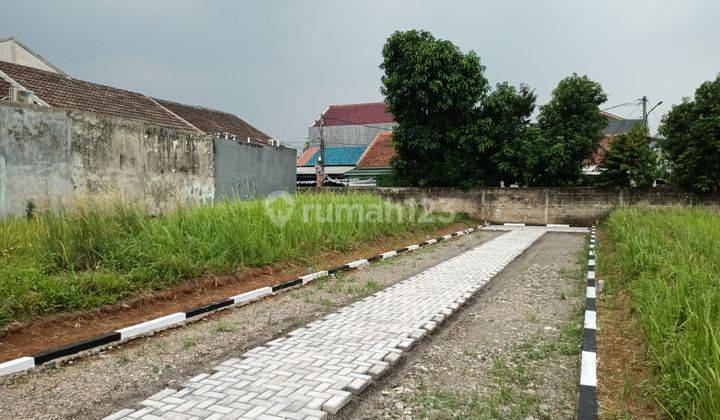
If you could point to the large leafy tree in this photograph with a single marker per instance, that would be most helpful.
(454, 132)
(433, 89)
(521, 154)
(507, 111)
(572, 124)
(692, 139)
(630, 160)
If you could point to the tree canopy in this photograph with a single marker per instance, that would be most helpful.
(630, 161)
(453, 130)
(692, 139)
(572, 118)
(433, 89)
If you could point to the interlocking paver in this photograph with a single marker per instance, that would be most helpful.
(316, 369)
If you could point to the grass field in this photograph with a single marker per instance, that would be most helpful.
(669, 262)
(106, 250)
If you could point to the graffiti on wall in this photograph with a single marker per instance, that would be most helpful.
(245, 188)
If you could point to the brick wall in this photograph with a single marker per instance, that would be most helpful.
(575, 206)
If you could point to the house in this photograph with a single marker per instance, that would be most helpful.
(71, 136)
(615, 125)
(14, 51)
(375, 161)
(338, 161)
(19, 83)
(352, 124)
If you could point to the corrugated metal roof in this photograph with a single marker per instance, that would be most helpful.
(336, 156)
(358, 114)
(619, 126)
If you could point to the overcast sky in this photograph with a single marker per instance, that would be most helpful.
(278, 64)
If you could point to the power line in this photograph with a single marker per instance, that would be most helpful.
(618, 106)
(626, 120)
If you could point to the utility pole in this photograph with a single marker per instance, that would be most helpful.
(320, 166)
(644, 101)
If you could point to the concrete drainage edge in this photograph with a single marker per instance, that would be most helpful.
(177, 319)
(587, 400)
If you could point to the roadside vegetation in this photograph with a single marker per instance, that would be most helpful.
(102, 251)
(455, 129)
(668, 261)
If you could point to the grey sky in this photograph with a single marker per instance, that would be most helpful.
(278, 64)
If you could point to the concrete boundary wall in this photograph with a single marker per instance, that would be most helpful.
(574, 206)
(51, 155)
(246, 171)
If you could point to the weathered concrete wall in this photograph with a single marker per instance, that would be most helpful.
(53, 154)
(160, 165)
(246, 171)
(576, 206)
(35, 147)
(337, 135)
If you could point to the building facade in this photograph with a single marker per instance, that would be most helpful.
(352, 124)
(62, 138)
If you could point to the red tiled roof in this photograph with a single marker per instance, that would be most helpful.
(610, 116)
(61, 91)
(305, 157)
(356, 114)
(4, 89)
(212, 121)
(380, 152)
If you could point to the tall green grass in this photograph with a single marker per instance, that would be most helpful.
(669, 261)
(102, 251)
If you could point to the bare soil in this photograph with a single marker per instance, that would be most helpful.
(511, 352)
(624, 371)
(40, 334)
(121, 377)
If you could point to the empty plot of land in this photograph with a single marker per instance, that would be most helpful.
(96, 386)
(316, 370)
(511, 352)
(124, 377)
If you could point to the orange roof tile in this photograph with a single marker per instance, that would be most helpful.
(380, 152)
(308, 154)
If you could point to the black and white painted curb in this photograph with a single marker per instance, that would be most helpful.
(588, 406)
(180, 318)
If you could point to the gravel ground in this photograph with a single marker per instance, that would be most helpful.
(512, 352)
(99, 385)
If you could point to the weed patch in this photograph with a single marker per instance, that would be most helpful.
(668, 261)
(100, 252)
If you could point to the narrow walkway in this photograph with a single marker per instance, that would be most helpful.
(316, 370)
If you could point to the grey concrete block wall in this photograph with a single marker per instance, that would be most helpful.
(575, 206)
(246, 171)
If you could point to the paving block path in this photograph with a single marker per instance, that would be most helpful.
(317, 369)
